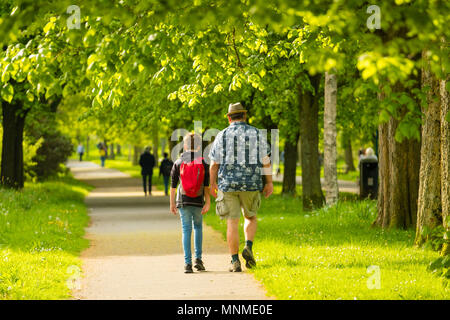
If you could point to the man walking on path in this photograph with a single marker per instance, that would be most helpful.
(240, 159)
(147, 162)
(164, 169)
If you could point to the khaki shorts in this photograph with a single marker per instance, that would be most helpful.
(229, 205)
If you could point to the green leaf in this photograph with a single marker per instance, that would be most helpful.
(172, 96)
(5, 76)
(30, 96)
(49, 26)
(7, 92)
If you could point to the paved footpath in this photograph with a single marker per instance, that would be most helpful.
(135, 247)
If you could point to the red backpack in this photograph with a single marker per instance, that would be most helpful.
(192, 175)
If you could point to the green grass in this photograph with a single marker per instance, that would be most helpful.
(325, 254)
(349, 176)
(41, 237)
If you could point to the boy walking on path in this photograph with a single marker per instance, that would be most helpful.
(239, 158)
(147, 162)
(165, 169)
(192, 197)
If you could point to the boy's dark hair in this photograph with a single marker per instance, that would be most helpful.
(165, 154)
(237, 116)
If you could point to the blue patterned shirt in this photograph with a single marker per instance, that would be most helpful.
(239, 149)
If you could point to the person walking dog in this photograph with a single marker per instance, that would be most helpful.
(240, 159)
(192, 197)
(147, 162)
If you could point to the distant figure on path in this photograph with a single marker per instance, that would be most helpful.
(147, 162)
(103, 154)
(240, 180)
(80, 151)
(192, 197)
(164, 170)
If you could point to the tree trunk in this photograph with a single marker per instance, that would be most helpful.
(290, 166)
(299, 151)
(130, 153)
(429, 212)
(119, 150)
(329, 129)
(172, 144)
(155, 138)
(112, 153)
(12, 175)
(309, 135)
(398, 178)
(348, 152)
(87, 146)
(136, 155)
(445, 160)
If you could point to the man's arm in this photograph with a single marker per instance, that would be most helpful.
(207, 204)
(267, 171)
(213, 170)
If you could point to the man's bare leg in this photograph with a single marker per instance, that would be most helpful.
(250, 231)
(250, 227)
(233, 235)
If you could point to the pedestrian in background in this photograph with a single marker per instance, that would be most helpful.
(164, 170)
(80, 151)
(103, 154)
(147, 163)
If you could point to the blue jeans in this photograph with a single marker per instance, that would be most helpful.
(191, 216)
(166, 184)
(102, 159)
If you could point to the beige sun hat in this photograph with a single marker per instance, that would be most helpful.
(235, 108)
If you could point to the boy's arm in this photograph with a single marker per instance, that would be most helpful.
(173, 205)
(267, 171)
(175, 175)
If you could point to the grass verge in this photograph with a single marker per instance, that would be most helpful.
(325, 254)
(41, 238)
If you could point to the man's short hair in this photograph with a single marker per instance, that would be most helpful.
(237, 116)
(192, 141)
